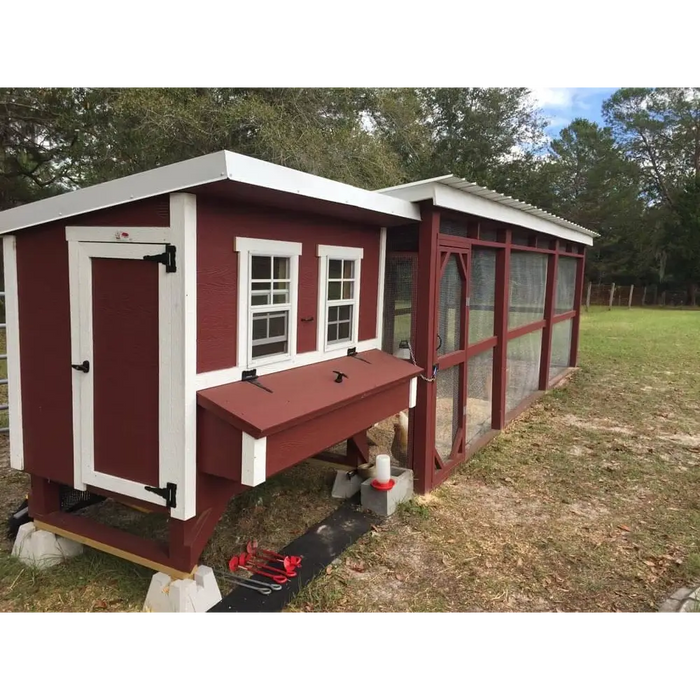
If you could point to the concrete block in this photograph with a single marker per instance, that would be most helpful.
(385, 502)
(346, 484)
(42, 549)
(183, 595)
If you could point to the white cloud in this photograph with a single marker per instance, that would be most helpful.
(554, 97)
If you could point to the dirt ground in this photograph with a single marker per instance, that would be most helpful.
(589, 502)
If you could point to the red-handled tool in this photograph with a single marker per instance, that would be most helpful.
(235, 563)
(252, 548)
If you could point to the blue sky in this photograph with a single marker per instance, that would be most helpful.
(561, 105)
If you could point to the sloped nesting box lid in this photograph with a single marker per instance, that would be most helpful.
(300, 394)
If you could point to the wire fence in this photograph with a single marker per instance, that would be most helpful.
(618, 295)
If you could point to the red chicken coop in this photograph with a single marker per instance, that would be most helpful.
(177, 336)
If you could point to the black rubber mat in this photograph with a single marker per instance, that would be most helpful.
(319, 547)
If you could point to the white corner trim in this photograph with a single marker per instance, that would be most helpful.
(380, 287)
(324, 253)
(246, 248)
(412, 392)
(253, 460)
(118, 234)
(14, 375)
(178, 392)
(217, 377)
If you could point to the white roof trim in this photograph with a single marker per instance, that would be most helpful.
(223, 165)
(457, 194)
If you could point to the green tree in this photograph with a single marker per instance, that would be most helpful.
(594, 185)
(659, 131)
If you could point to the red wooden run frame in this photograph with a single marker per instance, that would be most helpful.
(458, 358)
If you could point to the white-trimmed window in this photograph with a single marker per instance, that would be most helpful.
(268, 278)
(339, 296)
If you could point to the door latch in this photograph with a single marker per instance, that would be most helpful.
(84, 366)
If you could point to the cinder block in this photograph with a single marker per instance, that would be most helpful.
(385, 502)
(346, 484)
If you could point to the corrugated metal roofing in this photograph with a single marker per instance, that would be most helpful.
(462, 185)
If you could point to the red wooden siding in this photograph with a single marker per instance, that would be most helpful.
(44, 333)
(219, 223)
(125, 347)
(44, 329)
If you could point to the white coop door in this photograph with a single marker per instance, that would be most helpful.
(121, 300)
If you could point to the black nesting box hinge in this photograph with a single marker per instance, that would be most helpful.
(167, 258)
(251, 376)
(169, 493)
(352, 352)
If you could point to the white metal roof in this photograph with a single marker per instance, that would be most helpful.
(458, 194)
(222, 165)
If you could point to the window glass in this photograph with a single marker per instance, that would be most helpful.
(340, 300)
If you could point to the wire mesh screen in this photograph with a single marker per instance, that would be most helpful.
(399, 301)
(566, 284)
(450, 311)
(561, 348)
(522, 368)
(453, 227)
(482, 294)
(447, 409)
(479, 399)
(528, 281)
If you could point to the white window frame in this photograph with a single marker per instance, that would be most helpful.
(247, 248)
(332, 252)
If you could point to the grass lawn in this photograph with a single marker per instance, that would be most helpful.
(590, 501)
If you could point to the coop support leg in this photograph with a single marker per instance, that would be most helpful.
(183, 595)
(41, 549)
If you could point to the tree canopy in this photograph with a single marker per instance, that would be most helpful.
(635, 180)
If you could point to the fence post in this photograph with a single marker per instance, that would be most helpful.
(629, 301)
(612, 296)
(644, 295)
(588, 296)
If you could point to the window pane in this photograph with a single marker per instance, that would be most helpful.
(348, 290)
(284, 286)
(281, 268)
(260, 267)
(332, 333)
(335, 269)
(275, 348)
(344, 330)
(278, 325)
(259, 299)
(333, 291)
(344, 312)
(333, 313)
(260, 286)
(279, 298)
(348, 269)
(259, 328)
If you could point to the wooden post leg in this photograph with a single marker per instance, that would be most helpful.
(44, 497)
(358, 449)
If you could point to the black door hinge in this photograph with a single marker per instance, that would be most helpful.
(84, 366)
(167, 258)
(169, 493)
